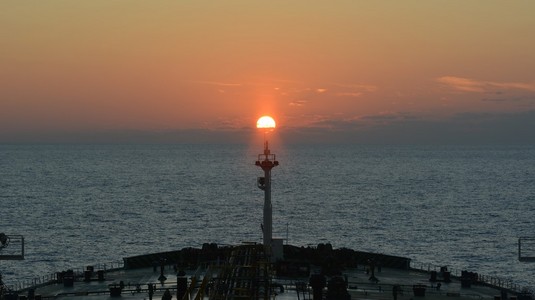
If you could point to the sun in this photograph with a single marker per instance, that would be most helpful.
(265, 122)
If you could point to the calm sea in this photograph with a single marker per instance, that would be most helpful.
(78, 205)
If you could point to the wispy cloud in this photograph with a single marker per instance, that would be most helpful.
(501, 99)
(349, 94)
(338, 123)
(357, 87)
(353, 90)
(480, 86)
(462, 84)
(227, 84)
(516, 85)
(298, 103)
(327, 92)
(406, 128)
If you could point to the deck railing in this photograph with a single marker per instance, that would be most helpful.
(53, 277)
(495, 281)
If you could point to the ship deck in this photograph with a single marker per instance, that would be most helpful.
(359, 286)
(245, 274)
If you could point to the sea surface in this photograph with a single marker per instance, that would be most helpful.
(78, 205)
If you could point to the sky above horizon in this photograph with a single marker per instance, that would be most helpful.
(373, 71)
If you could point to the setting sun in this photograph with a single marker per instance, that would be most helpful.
(265, 122)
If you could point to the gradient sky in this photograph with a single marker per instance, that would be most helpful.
(369, 71)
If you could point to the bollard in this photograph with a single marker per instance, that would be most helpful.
(100, 275)
(181, 284)
(419, 290)
(317, 282)
(68, 278)
(447, 276)
(337, 290)
(433, 276)
(87, 276)
(115, 290)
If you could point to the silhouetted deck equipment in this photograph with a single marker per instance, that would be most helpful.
(245, 276)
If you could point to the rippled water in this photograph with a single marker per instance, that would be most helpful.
(82, 204)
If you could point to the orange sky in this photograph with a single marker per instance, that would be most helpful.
(158, 65)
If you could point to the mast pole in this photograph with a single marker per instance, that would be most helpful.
(267, 161)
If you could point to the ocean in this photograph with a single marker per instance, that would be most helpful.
(78, 205)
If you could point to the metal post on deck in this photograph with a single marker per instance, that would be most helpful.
(267, 162)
